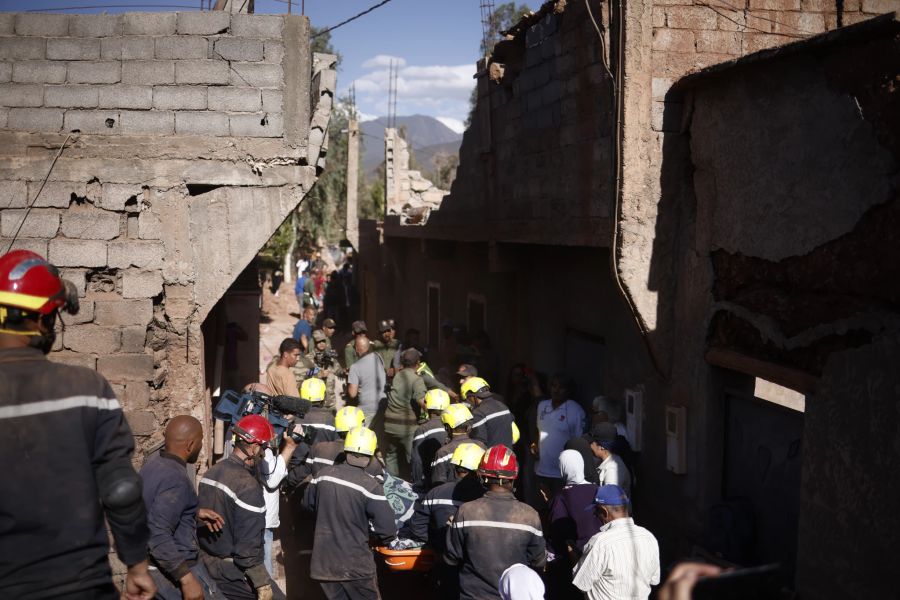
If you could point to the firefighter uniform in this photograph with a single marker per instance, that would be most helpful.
(441, 469)
(346, 499)
(492, 423)
(68, 452)
(319, 423)
(325, 454)
(427, 440)
(488, 536)
(234, 555)
(432, 513)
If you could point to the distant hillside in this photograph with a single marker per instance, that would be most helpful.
(427, 135)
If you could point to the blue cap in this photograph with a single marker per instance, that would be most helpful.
(611, 495)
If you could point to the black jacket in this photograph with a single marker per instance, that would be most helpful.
(488, 536)
(441, 469)
(492, 423)
(231, 489)
(430, 519)
(319, 423)
(68, 450)
(345, 499)
(171, 514)
(427, 440)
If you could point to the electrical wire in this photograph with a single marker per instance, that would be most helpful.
(761, 18)
(587, 5)
(757, 29)
(353, 18)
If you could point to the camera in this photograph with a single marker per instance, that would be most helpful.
(325, 359)
(233, 406)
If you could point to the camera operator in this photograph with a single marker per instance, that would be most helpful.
(325, 361)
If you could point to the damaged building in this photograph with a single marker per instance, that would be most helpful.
(151, 155)
(691, 208)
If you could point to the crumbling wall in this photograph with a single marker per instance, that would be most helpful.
(189, 137)
(407, 193)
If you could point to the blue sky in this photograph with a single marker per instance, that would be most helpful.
(435, 41)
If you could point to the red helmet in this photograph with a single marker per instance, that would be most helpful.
(255, 429)
(499, 462)
(30, 283)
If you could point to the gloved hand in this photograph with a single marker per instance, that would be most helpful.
(264, 592)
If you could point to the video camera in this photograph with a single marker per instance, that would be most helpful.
(233, 406)
(325, 359)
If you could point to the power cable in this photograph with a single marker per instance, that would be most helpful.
(353, 18)
(761, 18)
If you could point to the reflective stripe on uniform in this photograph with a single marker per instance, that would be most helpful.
(499, 413)
(422, 436)
(49, 406)
(319, 426)
(324, 461)
(233, 496)
(444, 458)
(500, 524)
(442, 501)
(350, 485)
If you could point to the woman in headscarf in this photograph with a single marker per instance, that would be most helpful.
(570, 525)
(521, 583)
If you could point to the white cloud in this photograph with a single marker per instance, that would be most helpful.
(383, 61)
(454, 124)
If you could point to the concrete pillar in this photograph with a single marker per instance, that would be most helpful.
(352, 183)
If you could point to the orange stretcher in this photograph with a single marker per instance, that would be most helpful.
(414, 559)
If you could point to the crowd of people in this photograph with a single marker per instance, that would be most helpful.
(519, 497)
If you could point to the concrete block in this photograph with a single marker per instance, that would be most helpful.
(99, 26)
(181, 47)
(141, 284)
(728, 42)
(94, 72)
(4, 115)
(148, 72)
(77, 253)
(134, 339)
(73, 49)
(272, 101)
(126, 367)
(258, 125)
(215, 72)
(73, 358)
(202, 23)
(257, 75)
(39, 71)
(239, 49)
(273, 51)
(132, 253)
(149, 226)
(7, 23)
(131, 226)
(879, 6)
(35, 119)
(125, 96)
(160, 23)
(117, 313)
(137, 394)
(180, 97)
(56, 194)
(660, 86)
(127, 48)
(673, 40)
(256, 26)
(79, 278)
(16, 94)
(148, 122)
(34, 245)
(92, 339)
(85, 314)
(115, 195)
(13, 194)
(16, 48)
(38, 224)
(91, 224)
(42, 24)
(6, 70)
(234, 99)
(71, 96)
(201, 123)
(695, 18)
(142, 422)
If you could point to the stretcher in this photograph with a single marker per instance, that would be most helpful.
(413, 559)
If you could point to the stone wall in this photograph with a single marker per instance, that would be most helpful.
(407, 193)
(189, 137)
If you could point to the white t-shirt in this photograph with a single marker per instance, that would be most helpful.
(612, 471)
(620, 561)
(556, 427)
(274, 470)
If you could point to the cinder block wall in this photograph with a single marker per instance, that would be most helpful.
(192, 146)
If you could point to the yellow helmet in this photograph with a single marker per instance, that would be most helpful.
(472, 385)
(347, 418)
(468, 456)
(313, 389)
(361, 440)
(437, 400)
(455, 415)
(516, 434)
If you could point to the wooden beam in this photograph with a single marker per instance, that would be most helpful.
(788, 377)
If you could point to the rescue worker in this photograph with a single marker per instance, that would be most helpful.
(404, 404)
(359, 329)
(428, 439)
(173, 516)
(432, 382)
(387, 346)
(456, 419)
(346, 499)
(318, 422)
(327, 452)
(68, 452)
(234, 555)
(491, 420)
(434, 513)
(324, 364)
(491, 534)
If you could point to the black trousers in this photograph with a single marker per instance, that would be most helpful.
(355, 589)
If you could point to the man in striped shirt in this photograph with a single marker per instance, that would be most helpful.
(622, 560)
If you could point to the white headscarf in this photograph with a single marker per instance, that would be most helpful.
(571, 465)
(521, 583)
